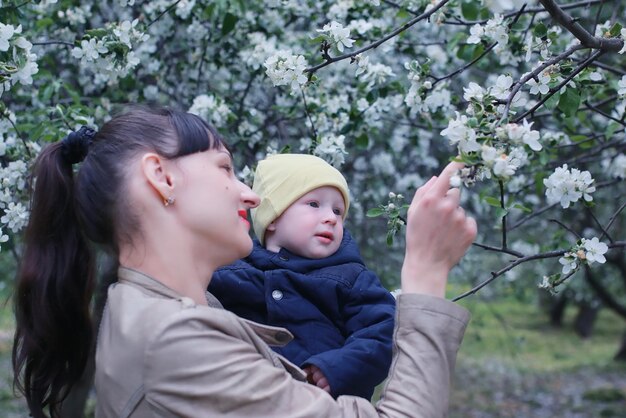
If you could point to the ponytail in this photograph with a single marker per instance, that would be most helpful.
(54, 333)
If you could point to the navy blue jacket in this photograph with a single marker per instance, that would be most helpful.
(339, 313)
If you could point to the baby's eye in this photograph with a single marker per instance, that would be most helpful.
(314, 204)
(337, 211)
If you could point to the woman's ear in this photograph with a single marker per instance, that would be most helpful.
(159, 176)
(271, 227)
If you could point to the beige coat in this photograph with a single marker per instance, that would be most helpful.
(161, 355)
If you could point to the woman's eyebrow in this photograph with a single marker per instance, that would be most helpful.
(230, 156)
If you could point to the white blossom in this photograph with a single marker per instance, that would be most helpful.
(332, 148)
(338, 35)
(541, 84)
(211, 109)
(520, 134)
(566, 187)
(6, 33)
(569, 262)
(284, 68)
(501, 89)
(476, 33)
(3, 237)
(615, 168)
(15, 216)
(458, 132)
(621, 86)
(473, 91)
(595, 250)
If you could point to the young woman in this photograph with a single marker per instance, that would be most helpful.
(157, 187)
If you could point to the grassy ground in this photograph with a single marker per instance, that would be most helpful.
(514, 364)
(511, 364)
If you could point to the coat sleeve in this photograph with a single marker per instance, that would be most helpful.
(240, 289)
(195, 368)
(363, 362)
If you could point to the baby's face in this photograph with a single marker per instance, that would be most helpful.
(312, 226)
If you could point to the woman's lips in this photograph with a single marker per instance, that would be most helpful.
(244, 217)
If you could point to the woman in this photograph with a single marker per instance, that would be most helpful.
(157, 186)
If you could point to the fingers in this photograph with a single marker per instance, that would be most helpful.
(442, 184)
(316, 377)
(424, 189)
(439, 185)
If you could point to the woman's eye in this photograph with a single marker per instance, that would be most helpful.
(228, 168)
(314, 204)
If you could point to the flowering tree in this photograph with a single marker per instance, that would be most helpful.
(529, 94)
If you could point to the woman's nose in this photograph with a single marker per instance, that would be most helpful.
(248, 197)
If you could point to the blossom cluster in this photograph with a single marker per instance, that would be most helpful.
(586, 251)
(422, 97)
(332, 148)
(17, 63)
(109, 52)
(286, 69)
(494, 30)
(567, 186)
(337, 35)
(211, 109)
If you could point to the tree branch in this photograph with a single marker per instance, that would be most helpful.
(330, 60)
(548, 254)
(576, 29)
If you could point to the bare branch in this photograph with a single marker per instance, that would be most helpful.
(499, 250)
(613, 218)
(522, 260)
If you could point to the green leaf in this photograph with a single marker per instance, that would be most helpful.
(615, 29)
(501, 213)
(389, 239)
(540, 30)
(492, 201)
(317, 39)
(403, 14)
(97, 33)
(611, 129)
(522, 207)
(569, 102)
(552, 102)
(454, 41)
(207, 13)
(362, 141)
(374, 212)
(229, 22)
(470, 10)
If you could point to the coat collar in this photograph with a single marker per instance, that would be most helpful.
(263, 259)
(274, 336)
(154, 287)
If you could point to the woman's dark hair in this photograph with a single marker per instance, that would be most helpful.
(55, 280)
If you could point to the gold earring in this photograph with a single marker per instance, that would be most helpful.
(169, 201)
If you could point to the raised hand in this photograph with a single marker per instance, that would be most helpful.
(438, 234)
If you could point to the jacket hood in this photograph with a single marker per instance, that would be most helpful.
(263, 259)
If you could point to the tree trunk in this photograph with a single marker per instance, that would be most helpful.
(556, 311)
(621, 353)
(585, 319)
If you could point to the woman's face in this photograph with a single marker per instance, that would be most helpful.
(212, 205)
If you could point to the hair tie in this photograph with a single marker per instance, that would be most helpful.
(75, 145)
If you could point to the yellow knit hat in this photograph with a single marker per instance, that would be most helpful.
(281, 179)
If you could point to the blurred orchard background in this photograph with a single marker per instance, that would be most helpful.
(530, 94)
